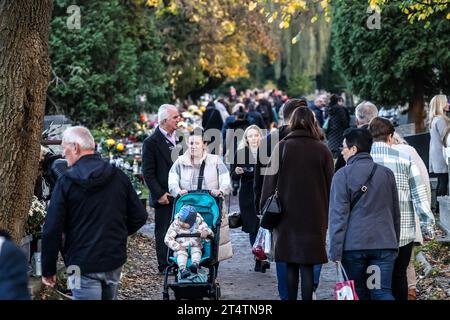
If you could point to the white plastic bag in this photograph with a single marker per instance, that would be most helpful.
(262, 246)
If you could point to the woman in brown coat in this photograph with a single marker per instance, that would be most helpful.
(304, 181)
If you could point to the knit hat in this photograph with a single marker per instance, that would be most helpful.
(188, 214)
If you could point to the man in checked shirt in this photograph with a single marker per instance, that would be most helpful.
(412, 197)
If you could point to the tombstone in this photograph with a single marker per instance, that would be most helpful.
(58, 119)
(54, 126)
(420, 142)
(407, 129)
(444, 213)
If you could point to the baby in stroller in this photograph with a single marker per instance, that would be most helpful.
(187, 231)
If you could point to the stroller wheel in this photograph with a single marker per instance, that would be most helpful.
(215, 292)
(218, 293)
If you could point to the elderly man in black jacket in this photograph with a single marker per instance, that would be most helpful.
(156, 163)
(364, 227)
(93, 209)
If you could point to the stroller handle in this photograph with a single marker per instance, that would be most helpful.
(193, 235)
(201, 191)
(188, 235)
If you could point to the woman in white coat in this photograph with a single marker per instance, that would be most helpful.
(183, 177)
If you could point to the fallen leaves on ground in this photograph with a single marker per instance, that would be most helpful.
(140, 277)
(436, 286)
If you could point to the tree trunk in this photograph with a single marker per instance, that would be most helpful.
(418, 103)
(24, 77)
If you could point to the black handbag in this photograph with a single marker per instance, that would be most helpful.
(234, 218)
(272, 211)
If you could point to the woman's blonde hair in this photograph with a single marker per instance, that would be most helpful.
(244, 143)
(437, 105)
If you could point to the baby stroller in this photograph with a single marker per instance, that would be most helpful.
(209, 207)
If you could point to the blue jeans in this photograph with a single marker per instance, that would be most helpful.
(96, 286)
(356, 262)
(281, 277)
(317, 269)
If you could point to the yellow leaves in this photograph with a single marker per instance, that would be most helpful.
(152, 3)
(229, 27)
(423, 10)
(422, 16)
(291, 8)
(284, 24)
(204, 63)
(324, 4)
(173, 8)
(376, 3)
(296, 38)
(252, 5)
(314, 19)
(195, 18)
(273, 17)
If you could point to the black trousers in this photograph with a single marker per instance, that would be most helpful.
(163, 215)
(307, 285)
(399, 279)
(442, 186)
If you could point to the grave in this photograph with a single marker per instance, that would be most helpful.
(420, 142)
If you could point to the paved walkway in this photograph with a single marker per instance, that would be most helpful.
(238, 280)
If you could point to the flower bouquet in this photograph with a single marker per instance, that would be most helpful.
(36, 217)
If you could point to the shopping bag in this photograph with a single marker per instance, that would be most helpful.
(261, 247)
(345, 288)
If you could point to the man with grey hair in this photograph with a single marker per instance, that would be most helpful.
(319, 108)
(93, 209)
(364, 113)
(156, 164)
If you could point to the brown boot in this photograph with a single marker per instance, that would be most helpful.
(412, 295)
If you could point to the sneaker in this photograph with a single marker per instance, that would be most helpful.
(193, 267)
(264, 266)
(184, 274)
(258, 266)
(162, 269)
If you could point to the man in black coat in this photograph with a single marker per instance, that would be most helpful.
(93, 210)
(212, 119)
(156, 163)
(265, 109)
(318, 108)
(364, 113)
(13, 270)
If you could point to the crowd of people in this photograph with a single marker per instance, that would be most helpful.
(362, 186)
